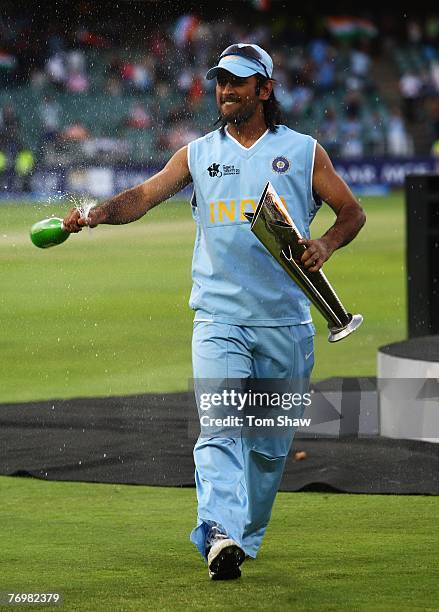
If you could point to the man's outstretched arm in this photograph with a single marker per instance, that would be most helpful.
(132, 204)
(350, 216)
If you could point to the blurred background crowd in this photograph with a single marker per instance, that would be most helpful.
(78, 87)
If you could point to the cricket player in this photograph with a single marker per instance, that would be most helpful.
(251, 320)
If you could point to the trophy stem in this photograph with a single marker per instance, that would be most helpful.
(319, 292)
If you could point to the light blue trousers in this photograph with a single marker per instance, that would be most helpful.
(237, 476)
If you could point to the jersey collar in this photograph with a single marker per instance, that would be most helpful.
(247, 151)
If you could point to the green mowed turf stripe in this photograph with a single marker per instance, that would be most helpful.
(107, 313)
(115, 547)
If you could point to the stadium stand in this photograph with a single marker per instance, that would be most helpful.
(94, 97)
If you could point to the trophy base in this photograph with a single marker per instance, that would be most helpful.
(338, 333)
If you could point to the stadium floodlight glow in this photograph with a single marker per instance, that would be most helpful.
(273, 226)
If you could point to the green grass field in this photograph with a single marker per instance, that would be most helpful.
(110, 547)
(106, 313)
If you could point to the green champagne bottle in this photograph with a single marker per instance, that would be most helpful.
(48, 233)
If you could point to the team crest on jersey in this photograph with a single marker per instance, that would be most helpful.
(280, 164)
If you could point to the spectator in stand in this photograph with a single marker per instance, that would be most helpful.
(75, 132)
(8, 67)
(282, 70)
(414, 32)
(434, 76)
(432, 29)
(114, 67)
(298, 62)
(143, 74)
(10, 137)
(9, 124)
(195, 93)
(375, 136)
(360, 63)
(113, 87)
(302, 96)
(203, 41)
(325, 72)
(138, 118)
(318, 50)
(353, 102)
(357, 75)
(24, 166)
(351, 135)
(178, 112)
(56, 70)
(398, 143)
(50, 112)
(55, 41)
(75, 61)
(77, 82)
(90, 38)
(410, 87)
(286, 100)
(162, 97)
(127, 75)
(38, 79)
(185, 79)
(328, 133)
(180, 135)
(138, 76)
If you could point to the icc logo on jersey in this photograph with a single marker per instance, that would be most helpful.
(214, 170)
(228, 170)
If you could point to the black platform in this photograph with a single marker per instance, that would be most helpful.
(148, 440)
(424, 348)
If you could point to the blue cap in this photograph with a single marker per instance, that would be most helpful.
(243, 60)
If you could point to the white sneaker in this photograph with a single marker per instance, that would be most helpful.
(224, 559)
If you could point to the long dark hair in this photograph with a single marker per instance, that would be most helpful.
(272, 110)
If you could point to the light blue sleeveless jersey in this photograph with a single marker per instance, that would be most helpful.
(235, 279)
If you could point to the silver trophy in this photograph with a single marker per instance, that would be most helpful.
(274, 227)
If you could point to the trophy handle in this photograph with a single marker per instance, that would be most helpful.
(273, 226)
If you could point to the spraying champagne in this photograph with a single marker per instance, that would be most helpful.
(50, 232)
